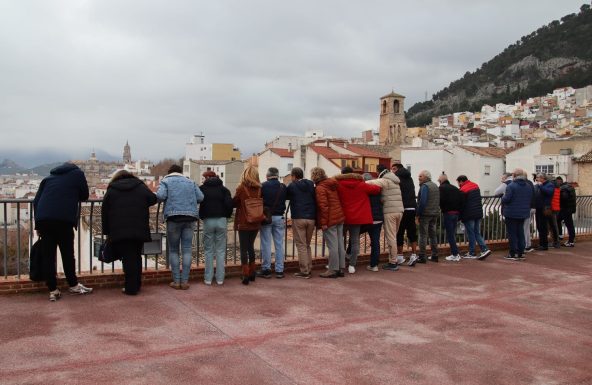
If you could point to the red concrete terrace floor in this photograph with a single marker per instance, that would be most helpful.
(473, 322)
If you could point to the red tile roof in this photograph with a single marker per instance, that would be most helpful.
(282, 152)
(362, 151)
(586, 158)
(492, 152)
(330, 153)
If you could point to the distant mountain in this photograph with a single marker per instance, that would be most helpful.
(9, 167)
(34, 158)
(556, 55)
(42, 170)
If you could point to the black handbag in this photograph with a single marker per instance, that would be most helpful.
(38, 263)
(268, 211)
(106, 252)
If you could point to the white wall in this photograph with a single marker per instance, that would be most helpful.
(433, 160)
(476, 168)
(523, 157)
(269, 159)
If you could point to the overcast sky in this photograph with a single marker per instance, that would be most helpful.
(80, 75)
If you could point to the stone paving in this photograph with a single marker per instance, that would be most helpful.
(473, 322)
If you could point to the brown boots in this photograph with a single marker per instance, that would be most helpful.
(252, 271)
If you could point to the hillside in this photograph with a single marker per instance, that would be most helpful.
(557, 54)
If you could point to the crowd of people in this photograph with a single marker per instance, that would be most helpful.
(343, 207)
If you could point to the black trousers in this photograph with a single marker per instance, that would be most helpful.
(247, 245)
(407, 224)
(130, 252)
(566, 218)
(58, 234)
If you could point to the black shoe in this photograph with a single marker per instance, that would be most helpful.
(279, 275)
(521, 257)
(390, 266)
(421, 260)
(329, 274)
(511, 257)
(542, 248)
(340, 273)
(264, 273)
(245, 280)
(556, 245)
(433, 258)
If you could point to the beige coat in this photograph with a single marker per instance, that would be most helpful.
(392, 200)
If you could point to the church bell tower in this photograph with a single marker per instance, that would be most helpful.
(393, 127)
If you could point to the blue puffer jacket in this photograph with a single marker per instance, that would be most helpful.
(516, 199)
(544, 195)
(301, 194)
(59, 194)
(181, 196)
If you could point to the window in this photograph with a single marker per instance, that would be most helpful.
(221, 175)
(290, 166)
(384, 107)
(545, 168)
(396, 106)
(487, 169)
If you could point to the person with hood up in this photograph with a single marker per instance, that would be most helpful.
(392, 208)
(353, 194)
(125, 217)
(214, 211)
(471, 215)
(56, 216)
(330, 218)
(515, 209)
(301, 193)
(181, 196)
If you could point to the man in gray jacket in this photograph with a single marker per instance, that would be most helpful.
(428, 210)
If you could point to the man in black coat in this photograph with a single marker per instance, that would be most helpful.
(410, 205)
(451, 201)
(567, 199)
(56, 216)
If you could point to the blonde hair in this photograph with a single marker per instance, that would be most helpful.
(250, 177)
(317, 174)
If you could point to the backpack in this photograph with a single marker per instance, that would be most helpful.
(253, 208)
(38, 263)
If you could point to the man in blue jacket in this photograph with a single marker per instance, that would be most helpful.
(181, 196)
(56, 216)
(274, 197)
(516, 208)
(544, 216)
(303, 211)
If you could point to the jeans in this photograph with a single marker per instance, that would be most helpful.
(54, 234)
(450, 222)
(303, 230)
(275, 231)
(246, 240)
(515, 229)
(214, 245)
(354, 242)
(474, 234)
(374, 232)
(333, 237)
(569, 224)
(427, 228)
(180, 233)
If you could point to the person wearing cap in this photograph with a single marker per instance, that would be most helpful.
(567, 196)
(274, 198)
(428, 210)
(353, 194)
(392, 207)
(409, 206)
(471, 215)
(303, 211)
(214, 211)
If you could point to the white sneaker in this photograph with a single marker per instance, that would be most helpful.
(412, 260)
(372, 268)
(208, 283)
(400, 259)
(55, 295)
(80, 289)
(469, 256)
(220, 283)
(351, 269)
(453, 258)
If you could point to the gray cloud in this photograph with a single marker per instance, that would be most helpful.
(93, 74)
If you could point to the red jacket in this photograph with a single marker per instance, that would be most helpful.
(555, 200)
(353, 193)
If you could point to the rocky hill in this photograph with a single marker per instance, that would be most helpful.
(557, 54)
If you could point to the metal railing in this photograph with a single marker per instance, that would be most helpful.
(17, 234)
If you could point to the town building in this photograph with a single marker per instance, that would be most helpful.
(198, 149)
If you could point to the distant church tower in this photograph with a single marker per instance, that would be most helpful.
(393, 127)
(127, 153)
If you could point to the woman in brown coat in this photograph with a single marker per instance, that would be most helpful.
(330, 219)
(249, 187)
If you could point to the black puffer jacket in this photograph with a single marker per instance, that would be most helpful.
(125, 211)
(217, 202)
(301, 194)
(451, 199)
(407, 188)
